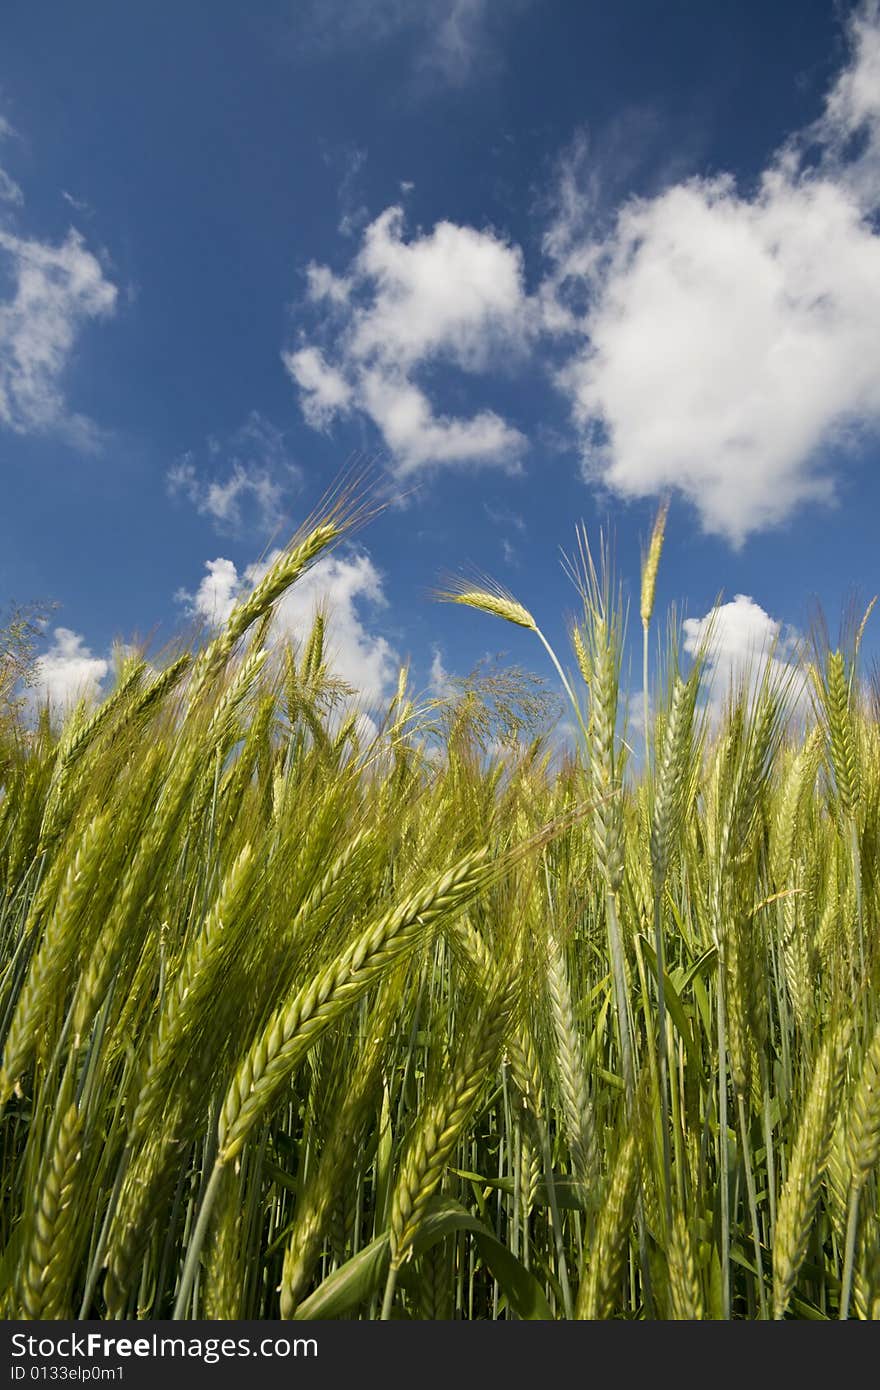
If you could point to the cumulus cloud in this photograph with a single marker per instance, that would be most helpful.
(439, 680)
(324, 391)
(454, 296)
(339, 586)
(67, 672)
(243, 482)
(455, 292)
(731, 339)
(742, 644)
(719, 340)
(217, 594)
(56, 291)
(417, 436)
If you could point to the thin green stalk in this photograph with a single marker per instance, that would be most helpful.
(753, 1202)
(722, 1140)
(663, 1054)
(852, 1230)
(646, 699)
(565, 684)
(197, 1240)
(621, 998)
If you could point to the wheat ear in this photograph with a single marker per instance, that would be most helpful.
(800, 1195)
(46, 1277)
(599, 1285)
(863, 1151)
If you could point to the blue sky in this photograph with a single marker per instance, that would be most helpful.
(546, 262)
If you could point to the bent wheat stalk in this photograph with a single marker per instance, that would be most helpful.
(297, 1025)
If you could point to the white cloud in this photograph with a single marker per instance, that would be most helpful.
(453, 296)
(57, 290)
(323, 284)
(216, 595)
(251, 493)
(9, 190)
(352, 212)
(575, 196)
(454, 292)
(731, 338)
(417, 436)
(222, 500)
(742, 643)
(853, 108)
(439, 681)
(67, 672)
(340, 586)
(720, 341)
(78, 204)
(324, 391)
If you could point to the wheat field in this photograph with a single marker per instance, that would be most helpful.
(303, 1018)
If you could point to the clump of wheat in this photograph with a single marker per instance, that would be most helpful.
(297, 1024)
(302, 1020)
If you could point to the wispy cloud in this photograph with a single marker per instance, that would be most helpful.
(449, 41)
(225, 501)
(10, 192)
(504, 516)
(55, 291)
(459, 38)
(353, 213)
(78, 204)
(241, 482)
